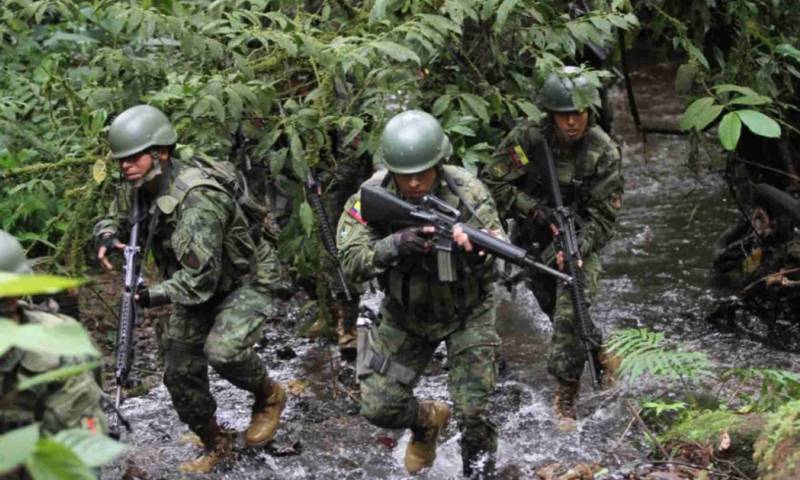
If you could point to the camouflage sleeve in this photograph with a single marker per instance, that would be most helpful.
(197, 241)
(500, 178)
(605, 201)
(74, 404)
(117, 215)
(485, 209)
(360, 250)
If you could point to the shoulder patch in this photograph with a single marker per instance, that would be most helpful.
(518, 156)
(355, 212)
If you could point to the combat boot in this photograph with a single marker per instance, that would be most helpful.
(218, 445)
(432, 417)
(610, 363)
(269, 403)
(565, 404)
(346, 332)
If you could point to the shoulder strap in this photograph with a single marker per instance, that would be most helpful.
(451, 185)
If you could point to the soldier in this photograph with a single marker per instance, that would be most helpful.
(419, 311)
(70, 403)
(589, 169)
(220, 293)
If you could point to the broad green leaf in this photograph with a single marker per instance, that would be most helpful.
(56, 375)
(13, 285)
(67, 338)
(396, 51)
(759, 123)
(379, 9)
(477, 105)
(693, 112)
(750, 100)
(502, 14)
(729, 130)
(788, 50)
(307, 218)
(16, 446)
(529, 109)
(462, 129)
(729, 87)
(54, 461)
(441, 104)
(93, 449)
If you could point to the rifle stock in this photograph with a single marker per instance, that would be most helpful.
(568, 243)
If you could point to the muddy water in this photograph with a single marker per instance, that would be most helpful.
(656, 275)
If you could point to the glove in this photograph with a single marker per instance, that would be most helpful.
(146, 300)
(412, 241)
(542, 215)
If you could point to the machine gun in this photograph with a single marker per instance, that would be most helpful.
(326, 235)
(128, 309)
(379, 205)
(566, 240)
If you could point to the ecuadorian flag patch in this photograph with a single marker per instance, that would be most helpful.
(355, 212)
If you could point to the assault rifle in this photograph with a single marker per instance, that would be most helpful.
(128, 308)
(326, 234)
(379, 205)
(566, 240)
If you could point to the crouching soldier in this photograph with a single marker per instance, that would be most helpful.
(420, 310)
(215, 276)
(73, 402)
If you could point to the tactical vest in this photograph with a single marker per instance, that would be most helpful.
(238, 255)
(413, 284)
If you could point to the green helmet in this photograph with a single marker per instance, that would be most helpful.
(139, 128)
(558, 89)
(414, 141)
(12, 256)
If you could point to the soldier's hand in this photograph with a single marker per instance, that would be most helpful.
(108, 242)
(542, 214)
(414, 240)
(560, 260)
(462, 239)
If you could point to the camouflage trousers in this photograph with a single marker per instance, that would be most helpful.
(567, 356)
(220, 332)
(472, 351)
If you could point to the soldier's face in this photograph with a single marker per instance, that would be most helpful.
(571, 126)
(136, 166)
(414, 186)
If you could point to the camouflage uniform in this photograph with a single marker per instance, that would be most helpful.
(217, 279)
(419, 312)
(70, 403)
(591, 183)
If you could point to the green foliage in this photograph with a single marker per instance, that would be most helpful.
(773, 388)
(12, 285)
(730, 44)
(658, 407)
(293, 74)
(643, 352)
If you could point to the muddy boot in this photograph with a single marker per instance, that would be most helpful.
(431, 419)
(346, 332)
(218, 445)
(269, 403)
(610, 364)
(565, 404)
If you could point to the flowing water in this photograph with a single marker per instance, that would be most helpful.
(656, 275)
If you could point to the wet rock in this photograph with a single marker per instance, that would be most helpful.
(285, 353)
(286, 448)
(386, 442)
(777, 450)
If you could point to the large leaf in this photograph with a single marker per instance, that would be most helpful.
(700, 113)
(306, 218)
(54, 461)
(477, 105)
(68, 338)
(93, 449)
(56, 375)
(396, 51)
(16, 446)
(13, 285)
(729, 130)
(760, 124)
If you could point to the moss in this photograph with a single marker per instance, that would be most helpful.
(777, 450)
